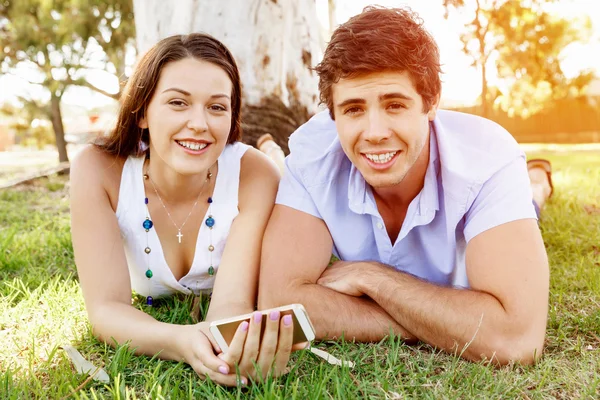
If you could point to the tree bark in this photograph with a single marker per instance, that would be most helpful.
(482, 60)
(59, 130)
(484, 91)
(275, 44)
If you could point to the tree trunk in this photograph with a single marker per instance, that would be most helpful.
(274, 42)
(59, 130)
(481, 32)
(484, 91)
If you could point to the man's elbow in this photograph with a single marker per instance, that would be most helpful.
(523, 349)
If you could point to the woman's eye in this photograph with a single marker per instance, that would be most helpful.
(177, 103)
(218, 107)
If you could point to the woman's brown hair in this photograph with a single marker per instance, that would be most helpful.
(127, 137)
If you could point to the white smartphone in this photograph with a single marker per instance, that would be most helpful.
(223, 330)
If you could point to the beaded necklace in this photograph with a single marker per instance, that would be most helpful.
(148, 224)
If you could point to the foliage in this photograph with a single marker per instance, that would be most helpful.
(64, 38)
(29, 124)
(56, 43)
(526, 39)
(569, 120)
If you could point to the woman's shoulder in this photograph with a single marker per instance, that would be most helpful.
(257, 174)
(92, 168)
(257, 165)
(95, 163)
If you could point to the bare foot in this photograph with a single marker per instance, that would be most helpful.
(540, 175)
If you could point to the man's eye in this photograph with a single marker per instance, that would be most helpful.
(396, 106)
(352, 110)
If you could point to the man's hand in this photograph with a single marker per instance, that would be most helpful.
(344, 277)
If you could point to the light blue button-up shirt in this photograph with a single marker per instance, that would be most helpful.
(476, 179)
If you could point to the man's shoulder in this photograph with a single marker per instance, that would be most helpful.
(473, 146)
(315, 151)
(476, 133)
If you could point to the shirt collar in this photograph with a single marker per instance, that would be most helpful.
(360, 196)
(429, 197)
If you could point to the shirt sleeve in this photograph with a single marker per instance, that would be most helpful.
(503, 198)
(293, 192)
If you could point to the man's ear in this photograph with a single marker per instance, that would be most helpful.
(142, 123)
(433, 109)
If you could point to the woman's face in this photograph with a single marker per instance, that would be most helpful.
(189, 115)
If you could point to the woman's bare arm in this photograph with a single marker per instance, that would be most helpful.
(236, 284)
(101, 263)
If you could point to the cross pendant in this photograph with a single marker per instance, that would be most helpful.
(179, 236)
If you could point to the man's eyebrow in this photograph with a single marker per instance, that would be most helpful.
(351, 101)
(174, 89)
(387, 96)
(395, 95)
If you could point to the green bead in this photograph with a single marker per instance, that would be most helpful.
(148, 273)
(211, 271)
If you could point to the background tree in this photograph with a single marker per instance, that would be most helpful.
(29, 123)
(274, 43)
(59, 42)
(529, 56)
(526, 40)
(477, 39)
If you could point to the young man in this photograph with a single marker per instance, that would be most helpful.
(430, 212)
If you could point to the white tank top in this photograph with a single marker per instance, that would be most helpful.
(131, 213)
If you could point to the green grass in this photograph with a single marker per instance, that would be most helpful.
(41, 309)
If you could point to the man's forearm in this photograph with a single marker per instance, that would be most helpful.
(335, 314)
(468, 322)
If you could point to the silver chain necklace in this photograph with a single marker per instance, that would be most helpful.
(179, 228)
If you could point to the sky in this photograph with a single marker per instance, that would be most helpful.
(461, 82)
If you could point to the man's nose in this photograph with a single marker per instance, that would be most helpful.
(377, 128)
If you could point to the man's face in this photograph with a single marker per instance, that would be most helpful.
(381, 125)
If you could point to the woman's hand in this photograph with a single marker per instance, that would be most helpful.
(256, 358)
(199, 350)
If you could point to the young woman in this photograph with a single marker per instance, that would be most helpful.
(171, 202)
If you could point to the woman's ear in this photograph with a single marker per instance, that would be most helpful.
(142, 123)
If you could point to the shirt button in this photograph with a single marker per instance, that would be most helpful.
(380, 225)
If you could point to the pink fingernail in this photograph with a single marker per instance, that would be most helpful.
(224, 370)
(274, 315)
(257, 317)
(287, 320)
(244, 381)
(245, 326)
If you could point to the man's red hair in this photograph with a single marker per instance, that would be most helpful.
(378, 40)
